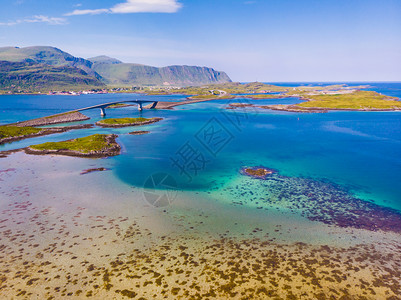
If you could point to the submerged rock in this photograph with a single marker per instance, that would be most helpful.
(139, 132)
(257, 172)
(93, 170)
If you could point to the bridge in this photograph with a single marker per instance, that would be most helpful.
(105, 105)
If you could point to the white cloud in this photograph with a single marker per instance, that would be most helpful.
(46, 19)
(37, 19)
(79, 12)
(134, 6)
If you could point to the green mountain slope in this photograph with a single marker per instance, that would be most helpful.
(31, 77)
(46, 55)
(103, 59)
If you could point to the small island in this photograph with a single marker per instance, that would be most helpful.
(126, 122)
(93, 146)
(239, 105)
(257, 172)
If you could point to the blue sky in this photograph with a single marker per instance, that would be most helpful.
(264, 40)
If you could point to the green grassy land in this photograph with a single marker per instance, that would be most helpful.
(229, 88)
(211, 96)
(117, 105)
(240, 88)
(87, 144)
(355, 100)
(117, 121)
(264, 96)
(13, 131)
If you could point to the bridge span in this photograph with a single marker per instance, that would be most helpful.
(105, 105)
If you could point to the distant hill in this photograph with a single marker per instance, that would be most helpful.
(103, 59)
(32, 77)
(122, 74)
(46, 55)
(41, 63)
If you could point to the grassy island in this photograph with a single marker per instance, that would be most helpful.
(97, 145)
(323, 101)
(125, 122)
(357, 100)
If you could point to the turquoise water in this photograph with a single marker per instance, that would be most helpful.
(360, 151)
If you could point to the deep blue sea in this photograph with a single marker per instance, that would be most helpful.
(203, 146)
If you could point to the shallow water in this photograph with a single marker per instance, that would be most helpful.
(358, 150)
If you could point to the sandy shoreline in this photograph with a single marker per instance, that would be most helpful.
(67, 117)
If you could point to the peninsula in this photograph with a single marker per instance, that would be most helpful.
(28, 129)
(10, 134)
(93, 146)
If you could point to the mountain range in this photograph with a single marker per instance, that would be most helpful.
(43, 68)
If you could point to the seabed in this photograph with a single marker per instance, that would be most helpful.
(65, 235)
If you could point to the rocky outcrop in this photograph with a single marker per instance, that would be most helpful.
(257, 172)
(87, 171)
(139, 132)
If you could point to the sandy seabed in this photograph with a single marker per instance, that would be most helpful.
(65, 235)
